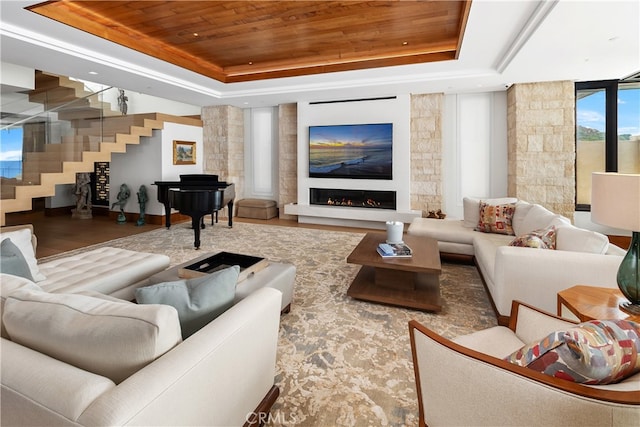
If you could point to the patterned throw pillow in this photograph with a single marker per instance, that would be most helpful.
(496, 218)
(541, 239)
(594, 352)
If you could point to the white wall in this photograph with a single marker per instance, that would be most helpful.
(17, 76)
(150, 161)
(475, 148)
(140, 103)
(396, 111)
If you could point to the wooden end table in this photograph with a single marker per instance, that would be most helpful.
(592, 303)
(407, 282)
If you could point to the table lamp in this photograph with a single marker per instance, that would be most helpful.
(615, 202)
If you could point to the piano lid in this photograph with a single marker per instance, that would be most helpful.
(198, 177)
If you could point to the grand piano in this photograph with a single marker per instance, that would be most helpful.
(196, 195)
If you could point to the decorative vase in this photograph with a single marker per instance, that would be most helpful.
(394, 231)
(629, 276)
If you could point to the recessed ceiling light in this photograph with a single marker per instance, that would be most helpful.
(195, 34)
(405, 43)
(250, 62)
(93, 73)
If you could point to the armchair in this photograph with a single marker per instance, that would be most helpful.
(464, 381)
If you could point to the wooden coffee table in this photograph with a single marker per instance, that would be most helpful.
(407, 282)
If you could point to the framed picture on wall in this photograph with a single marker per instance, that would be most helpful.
(184, 152)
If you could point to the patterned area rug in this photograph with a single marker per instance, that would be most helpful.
(341, 362)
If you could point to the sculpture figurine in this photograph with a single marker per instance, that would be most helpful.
(122, 102)
(437, 215)
(123, 196)
(82, 191)
(142, 201)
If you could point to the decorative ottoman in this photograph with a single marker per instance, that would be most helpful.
(257, 208)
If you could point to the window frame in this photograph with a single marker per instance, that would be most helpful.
(611, 129)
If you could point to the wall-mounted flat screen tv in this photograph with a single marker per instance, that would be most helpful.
(360, 151)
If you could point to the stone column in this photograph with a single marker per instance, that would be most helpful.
(287, 157)
(223, 137)
(426, 151)
(541, 144)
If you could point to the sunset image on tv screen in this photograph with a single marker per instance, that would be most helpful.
(351, 151)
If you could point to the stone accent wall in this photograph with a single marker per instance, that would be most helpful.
(426, 152)
(223, 136)
(541, 144)
(287, 157)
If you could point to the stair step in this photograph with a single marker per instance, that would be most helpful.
(100, 131)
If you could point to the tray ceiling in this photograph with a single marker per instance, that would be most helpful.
(238, 41)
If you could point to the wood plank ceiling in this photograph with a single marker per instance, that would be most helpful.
(236, 41)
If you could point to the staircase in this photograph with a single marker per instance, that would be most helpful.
(96, 131)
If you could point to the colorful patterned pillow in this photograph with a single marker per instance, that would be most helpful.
(541, 239)
(496, 218)
(594, 352)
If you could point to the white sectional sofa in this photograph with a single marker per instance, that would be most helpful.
(222, 375)
(76, 351)
(111, 271)
(533, 276)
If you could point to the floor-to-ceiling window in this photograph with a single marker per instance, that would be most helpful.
(607, 132)
(11, 140)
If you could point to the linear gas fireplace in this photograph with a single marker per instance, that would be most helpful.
(353, 198)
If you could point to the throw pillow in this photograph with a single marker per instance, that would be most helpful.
(107, 338)
(496, 218)
(572, 238)
(198, 301)
(22, 239)
(538, 217)
(12, 261)
(594, 352)
(471, 208)
(8, 284)
(522, 209)
(540, 239)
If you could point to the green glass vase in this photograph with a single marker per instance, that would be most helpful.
(629, 276)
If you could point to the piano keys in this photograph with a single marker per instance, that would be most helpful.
(196, 196)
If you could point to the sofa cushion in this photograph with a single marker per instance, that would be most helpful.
(496, 218)
(571, 238)
(443, 230)
(12, 261)
(540, 239)
(107, 338)
(594, 352)
(22, 238)
(522, 209)
(497, 341)
(198, 301)
(471, 208)
(538, 218)
(8, 284)
(105, 270)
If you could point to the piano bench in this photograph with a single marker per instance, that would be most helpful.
(257, 208)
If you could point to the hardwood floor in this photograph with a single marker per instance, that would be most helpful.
(57, 234)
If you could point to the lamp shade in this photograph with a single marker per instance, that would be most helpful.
(615, 200)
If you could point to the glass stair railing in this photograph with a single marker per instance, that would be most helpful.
(60, 128)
